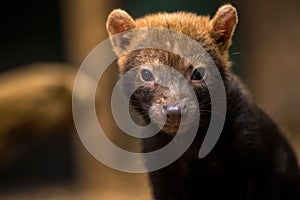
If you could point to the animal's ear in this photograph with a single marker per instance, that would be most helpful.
(223, 25)
(118, 22)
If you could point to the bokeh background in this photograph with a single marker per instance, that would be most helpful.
(43, 43)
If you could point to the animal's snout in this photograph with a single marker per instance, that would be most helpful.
(174, 112)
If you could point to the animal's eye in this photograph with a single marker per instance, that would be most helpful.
(146, 75)
(198, 74)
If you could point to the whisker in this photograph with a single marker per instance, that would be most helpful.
(209, 111)
(235, 53)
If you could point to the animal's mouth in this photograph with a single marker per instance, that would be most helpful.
(174, 128)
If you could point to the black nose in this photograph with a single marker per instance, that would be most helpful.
(174, 112)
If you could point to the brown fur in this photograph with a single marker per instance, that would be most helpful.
(213, 34)
(251, 160)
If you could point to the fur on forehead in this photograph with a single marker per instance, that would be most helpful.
(155, 57)
(214, 34)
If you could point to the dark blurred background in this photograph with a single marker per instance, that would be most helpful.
(31, 31)
(265, 53)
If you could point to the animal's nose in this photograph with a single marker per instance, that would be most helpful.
(175, 112)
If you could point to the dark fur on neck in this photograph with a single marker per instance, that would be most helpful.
(252, 160)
